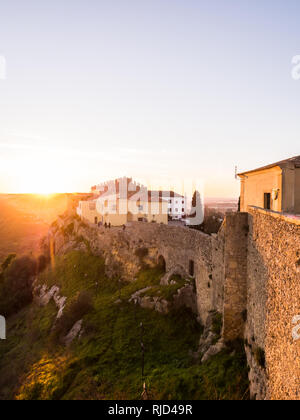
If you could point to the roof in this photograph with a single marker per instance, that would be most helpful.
(147, 195)
(282, 164)
(167, 194)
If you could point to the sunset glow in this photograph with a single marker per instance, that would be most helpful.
(77, 110)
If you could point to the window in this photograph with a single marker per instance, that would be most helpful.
(141, 208)
(92, 206)
(267, 201)
(176, 210)
(191, 268)
(182, 210)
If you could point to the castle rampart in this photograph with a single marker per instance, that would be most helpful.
(249, 271)
(273, 300)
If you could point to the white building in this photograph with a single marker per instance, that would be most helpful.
(177, 205)
(121, 201)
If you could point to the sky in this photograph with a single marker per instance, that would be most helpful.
(169, 92)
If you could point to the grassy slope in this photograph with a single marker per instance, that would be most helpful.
(106, 362)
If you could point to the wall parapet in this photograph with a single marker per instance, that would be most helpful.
(286, 217)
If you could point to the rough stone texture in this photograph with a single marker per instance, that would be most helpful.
(177, 270)
(273, 301)
(150, 302)
(235, 288)
(249, 271)
(186, 296)
(42, 297)
(210, 343)
(75, 332)
(177, 245)
(213, 350)
(216, 282)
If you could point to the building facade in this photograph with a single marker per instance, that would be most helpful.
(274, 187)
(121, 201)
(177, 206)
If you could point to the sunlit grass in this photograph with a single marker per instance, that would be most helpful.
(106, 362)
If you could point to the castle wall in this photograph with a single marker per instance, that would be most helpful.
(249, 271)
(218, 269)
(235, 286)
(273, 297)
(179, 246)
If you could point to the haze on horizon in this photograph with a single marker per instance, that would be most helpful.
(165, 91)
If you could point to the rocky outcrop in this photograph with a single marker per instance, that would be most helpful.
(257, 376)
(178, 270)
(75, 332)
(211, 342)
(186, 296)
(43, 295)
(156, 303)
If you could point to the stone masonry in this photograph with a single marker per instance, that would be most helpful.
(249, 272)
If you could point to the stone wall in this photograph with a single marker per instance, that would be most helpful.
(249, 271)
(180, 247)
(235, 286)
(273, 298)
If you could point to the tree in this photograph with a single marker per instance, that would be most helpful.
(16, 285)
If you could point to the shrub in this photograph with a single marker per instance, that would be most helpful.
(81, 306)
(69, 229)
(217, 323)
(142, 252)
(7, 261)
(42, 263)
(16, 285)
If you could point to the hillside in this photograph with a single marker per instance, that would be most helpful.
(105, 360)
(25, 219)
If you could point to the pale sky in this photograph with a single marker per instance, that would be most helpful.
(166, 91)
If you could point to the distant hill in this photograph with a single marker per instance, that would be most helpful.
(25, 219)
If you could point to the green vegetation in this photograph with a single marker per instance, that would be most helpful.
(217, 323)
(16, 284)
(167, 292)
(106, 362)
